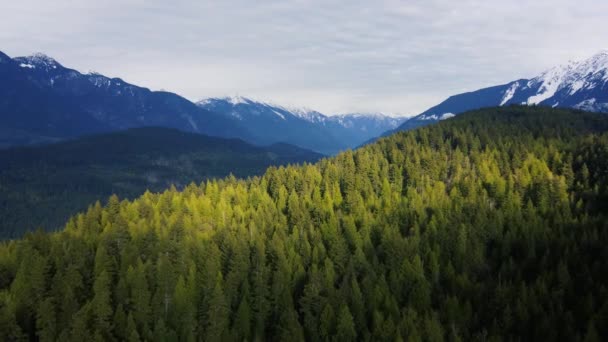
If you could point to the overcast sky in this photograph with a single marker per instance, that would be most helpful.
(334, 56)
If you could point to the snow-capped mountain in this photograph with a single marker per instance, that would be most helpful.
(581, 85)
(38, 61)
(357, 126)
(307, 114)
(270, 124)
(41, 100)
(365, 121)
(301, 126)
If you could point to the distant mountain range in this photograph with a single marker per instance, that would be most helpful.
(42, 101)
(580, 85)
(43, 185)
(302, 127)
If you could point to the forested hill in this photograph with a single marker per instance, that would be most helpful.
(488, 226)
(43, 186)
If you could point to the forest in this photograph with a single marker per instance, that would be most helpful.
(42, 186)
(490, 226)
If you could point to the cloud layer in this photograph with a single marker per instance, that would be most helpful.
(335, 56)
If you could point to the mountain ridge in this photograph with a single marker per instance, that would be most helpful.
(577, 84)
(43, 185)
(44, 101)
(332, 133)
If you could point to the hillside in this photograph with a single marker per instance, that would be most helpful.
(42, 186)
(488, 226)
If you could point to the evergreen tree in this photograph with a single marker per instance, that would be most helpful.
(345, 330)
(101, 306)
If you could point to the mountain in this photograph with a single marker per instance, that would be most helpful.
(43, 101)
(41, 186)
(270, 123)
(581, 85)
(356, 128)
(490, 226)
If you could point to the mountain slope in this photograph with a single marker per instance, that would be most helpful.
(42, 101)
(581, 85)
(44, 185)
(489, 226)
(270, 123)
(356, 128)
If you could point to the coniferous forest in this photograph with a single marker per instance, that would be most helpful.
(490, 226)
(42, 186)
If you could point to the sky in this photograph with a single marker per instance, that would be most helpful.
(397, 57)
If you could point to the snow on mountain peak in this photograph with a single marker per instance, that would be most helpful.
(306, 114)
(378, 115)
(509, 93)
(573, 76)
(37, 61)
(233, 100)
(302, 113)
(257, 106)
(550, 81)
(237, 99)
(41, 59)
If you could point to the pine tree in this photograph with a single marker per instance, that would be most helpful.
(80, 325)
(327, 322)
(120, 323)
(101, 306)
(132, 330)
(345, 330)
(139, 294)
(46, 320)
(242, 320)
(216, 318)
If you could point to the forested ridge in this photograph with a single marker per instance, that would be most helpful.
(42, 186)
(489, 226)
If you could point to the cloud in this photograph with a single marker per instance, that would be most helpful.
(334, 56)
